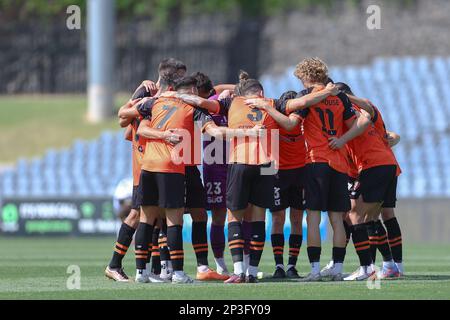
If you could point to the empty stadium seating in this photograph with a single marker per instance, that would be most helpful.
(413, 95)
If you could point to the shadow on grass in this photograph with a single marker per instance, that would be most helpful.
(430, 277)
(416, 277)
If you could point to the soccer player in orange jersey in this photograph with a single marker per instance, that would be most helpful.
(327, 167)
(130, 117)
(378, 173)
(290, 179)
(164, 164)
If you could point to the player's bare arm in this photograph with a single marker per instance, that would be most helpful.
(170, 136)
(212, 106)
(286, 122)
(149, 86)
(128, 112)
(222, 87)
(311, 99)
(365, 104)
(356, 127)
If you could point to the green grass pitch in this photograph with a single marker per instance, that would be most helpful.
(36, 268)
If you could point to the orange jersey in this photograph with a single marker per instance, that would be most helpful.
(291, 144)
(138, 150)
(172, 113)
(353, 171)
(380, 127)
(369, 150)
(250, 150)
(323, 121)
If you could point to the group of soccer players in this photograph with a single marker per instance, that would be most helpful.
(320, 150)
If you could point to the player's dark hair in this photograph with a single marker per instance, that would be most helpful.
(247, 86)
(169, 66)
(288, 95)
(186, 82)
(168, 79)
(344, 88)
(204, 83)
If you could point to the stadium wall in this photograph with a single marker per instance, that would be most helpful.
(424, 220)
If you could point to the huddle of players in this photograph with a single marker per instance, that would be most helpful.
(321, 136)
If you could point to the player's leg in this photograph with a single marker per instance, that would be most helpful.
(143, 241)
(360, 239)
(148, 214)
(297, 207)
(175, 243)
(261, 197)
(247, 234)
(339, 243)
(196, 204)
(295, 241)
(392, 225)
(237, 202)
(316, 195)
(384, 187)
(217, 237)
(277, 238)
(257, 242)
(215, 180)
(114, 269)
(155, 267)
(278, 211)
(339, 204)
(171, 187)
(166, 264)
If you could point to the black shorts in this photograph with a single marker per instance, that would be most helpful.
(379, 184)
(161, 189)
(353, 188)
(195, 190)
(246, 185)
(289, 189)
(135, 198)
(326, 189)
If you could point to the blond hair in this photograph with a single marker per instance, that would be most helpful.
(312, 70)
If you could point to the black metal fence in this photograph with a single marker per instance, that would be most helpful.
(46, 57)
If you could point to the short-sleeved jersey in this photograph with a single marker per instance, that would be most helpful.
(172, 113)
(249, 150)
(368, 150)
(138, 147)
(138, 143)
(323, 121)
(291, 143)
(221, 120)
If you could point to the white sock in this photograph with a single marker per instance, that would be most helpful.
(315, 267)
(238, 267)
(399, 266)
(289, 266)
(280, 266)
(140, 271)
(221, 266)
(179, 274)
(338, 268)
(252, 271)
(202, 268)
